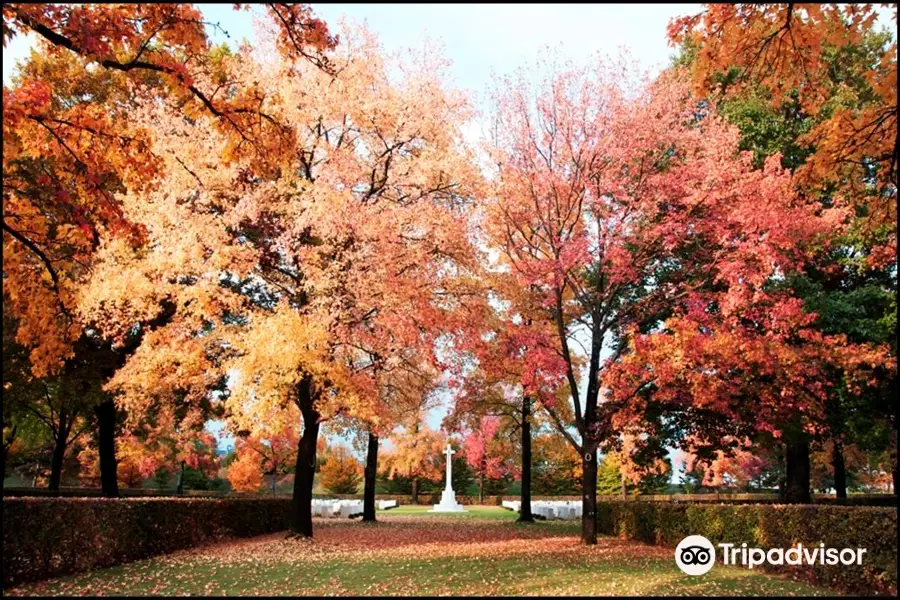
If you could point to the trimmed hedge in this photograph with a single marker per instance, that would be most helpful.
(434, 498)
(50, 537)
(757, 498)
(772, 526)
(95, 492)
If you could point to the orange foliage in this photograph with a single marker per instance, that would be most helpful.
(342, 266)
(341, 472)
(617, 199)
(413, 454)
(70, 145)
(136, 462)
(244, 473)
(782, 48)
(262, 454)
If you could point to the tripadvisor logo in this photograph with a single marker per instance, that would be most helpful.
(695, 555)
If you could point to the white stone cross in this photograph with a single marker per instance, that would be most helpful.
(448, 498)
(449, 452)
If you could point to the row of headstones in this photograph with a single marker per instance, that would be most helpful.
(345, 508)
(549, 509)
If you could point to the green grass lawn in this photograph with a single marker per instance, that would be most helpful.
(412, 552)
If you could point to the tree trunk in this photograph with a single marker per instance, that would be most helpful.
(481, 481)
(589, 496)
(840, 471)
(274, 477)
(525, 515)
(179, 488)
(415, 491)
(7, 444)
(797, 479)
(782, 470)
(106, 448)
(371, 473)
(893, 452)
(5, 451)
(301, 503)
(622, 482)
(59, 451)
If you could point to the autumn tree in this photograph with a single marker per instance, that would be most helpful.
(366, 438)
(787, 51)
(866, 470)
(62, 403)
(873, 473)
(136, 462)
(244, 473)
(199, 455)
(171, 438)
(271, 455)
(414, 449)
(341, 473)
(484, 411)
(64, 422)
(51, 146)
(745, 464)
(818, 84)
(18, 385)
(286, 282)
(618, 202)
(736, 470)
(557, 466)
(404, 386)
(262, 454)
(639, 465)
(71, 146)
(506, 368)
(487, 452)
(24, 434)
(463, 479)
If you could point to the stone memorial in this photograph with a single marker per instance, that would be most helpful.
(448, 497)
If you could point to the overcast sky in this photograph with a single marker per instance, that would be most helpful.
(478, 38)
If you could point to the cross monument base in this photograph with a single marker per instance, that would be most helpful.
(448, 503)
